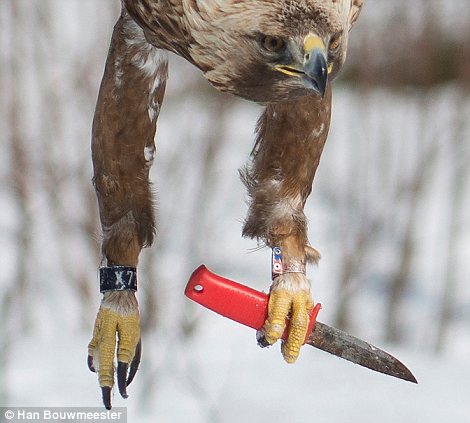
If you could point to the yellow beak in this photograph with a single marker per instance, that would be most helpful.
(314, 70)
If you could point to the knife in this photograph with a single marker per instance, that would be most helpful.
(250, 307)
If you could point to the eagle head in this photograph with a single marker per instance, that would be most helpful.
(273, 50)
(261, 50)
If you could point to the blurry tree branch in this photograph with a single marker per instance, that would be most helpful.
(459, 181)
(404, 51)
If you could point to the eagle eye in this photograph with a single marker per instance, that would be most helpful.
(272, 44)
(335, 41)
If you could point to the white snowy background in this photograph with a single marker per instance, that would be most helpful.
(388, 212)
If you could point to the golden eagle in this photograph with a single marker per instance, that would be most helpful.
(280, 53)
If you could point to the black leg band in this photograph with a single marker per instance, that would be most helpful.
(118, 278)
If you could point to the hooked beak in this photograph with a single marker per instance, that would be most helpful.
(314, 70)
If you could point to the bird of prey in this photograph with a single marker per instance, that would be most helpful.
(282, 54)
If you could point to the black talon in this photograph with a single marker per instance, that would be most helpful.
(135, 363)
(106, 393)
(90, 363)
(121, 378)
(260, 337)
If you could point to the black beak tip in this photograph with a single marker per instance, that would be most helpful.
(316, 73)
(316, 84)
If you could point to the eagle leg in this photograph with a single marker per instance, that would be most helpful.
(124, 127)
(290, 140)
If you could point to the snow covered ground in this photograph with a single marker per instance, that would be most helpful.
(220, 375)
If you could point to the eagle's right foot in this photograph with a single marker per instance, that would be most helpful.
(289, 301)
(118, 314)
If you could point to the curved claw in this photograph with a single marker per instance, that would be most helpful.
(135, 363)
(121, 378)
(102, 350)
(289, 299)
(90, 363)
(261, 338)
(106, 394)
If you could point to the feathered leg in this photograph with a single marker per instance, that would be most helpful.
(124, 128)
(279, 180)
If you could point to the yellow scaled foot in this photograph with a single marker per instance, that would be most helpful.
(102, 348)
(289, 299)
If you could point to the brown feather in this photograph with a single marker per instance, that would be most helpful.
(123, 130)
(290, 140)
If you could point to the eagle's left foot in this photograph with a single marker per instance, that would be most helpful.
(118, 315)
(290, 299)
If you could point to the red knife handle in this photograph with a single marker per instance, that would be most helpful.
(231, 299)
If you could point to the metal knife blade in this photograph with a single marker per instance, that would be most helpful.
(250, 307)
(341, 344)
